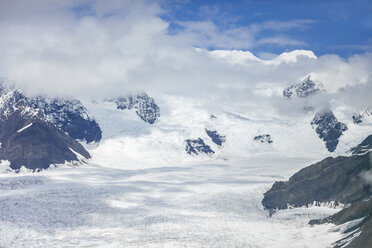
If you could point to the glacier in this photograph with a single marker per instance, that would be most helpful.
(141, 189)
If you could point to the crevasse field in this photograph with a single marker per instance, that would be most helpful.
(141, 189)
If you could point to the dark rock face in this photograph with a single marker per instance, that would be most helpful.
(197, 146)
(363, 147)
(216, 137)
(263, 138)
(306, 88)
(144, 106)
(29, 140)
(328, 128)
(70, 116)
(333, 179)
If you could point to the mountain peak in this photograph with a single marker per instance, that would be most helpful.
(306, 87)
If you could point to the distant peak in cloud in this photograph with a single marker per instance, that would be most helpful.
(292, 57)
(235, 56)
(246, 57)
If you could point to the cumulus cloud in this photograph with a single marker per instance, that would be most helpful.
(104, 49)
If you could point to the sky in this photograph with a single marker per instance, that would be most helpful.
(332, 26)
(226, 50)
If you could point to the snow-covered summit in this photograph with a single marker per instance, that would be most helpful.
(306, 88)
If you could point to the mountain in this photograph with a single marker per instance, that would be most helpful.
(306, 88)
(328, 128)
(70, 116)
(145, 106)
(332, 179)
(29, 139)
(337, 181)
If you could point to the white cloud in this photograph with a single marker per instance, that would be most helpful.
(56, 48)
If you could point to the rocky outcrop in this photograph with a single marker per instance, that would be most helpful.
(144, 106)
(28, 139)
(333, 179)
(263, 138)
(217, 138)
(338, 180)
(306, 88)
(70, 116)
(197, 146)
(328, 128)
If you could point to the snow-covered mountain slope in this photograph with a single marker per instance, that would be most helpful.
(132, 130)
(127, 138)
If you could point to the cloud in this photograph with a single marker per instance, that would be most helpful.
(91, 49)
(207, 34)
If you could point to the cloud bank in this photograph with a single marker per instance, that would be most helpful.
(103, 49)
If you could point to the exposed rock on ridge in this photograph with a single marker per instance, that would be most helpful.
(144, 106)
(217, 138)
(328, 128)
(70, 116)
(306, 88)
(332, 179)
(197, 146)
(29, 140)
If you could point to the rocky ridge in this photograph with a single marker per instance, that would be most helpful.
(29, 138)
(197, 146)
(306, 88)
(340, 181)
(145, 106)
(328, 128)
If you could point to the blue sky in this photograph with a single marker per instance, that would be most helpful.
(337, 27)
